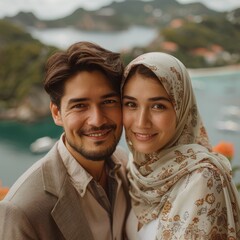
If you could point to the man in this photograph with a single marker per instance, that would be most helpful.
(77, 191)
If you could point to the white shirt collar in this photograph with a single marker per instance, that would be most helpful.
(78, 175)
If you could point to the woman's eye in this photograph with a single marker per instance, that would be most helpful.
(159, 107)
(130, 105)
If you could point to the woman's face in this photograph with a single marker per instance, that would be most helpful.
(148, 115)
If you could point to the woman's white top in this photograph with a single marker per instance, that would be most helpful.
(148, 231)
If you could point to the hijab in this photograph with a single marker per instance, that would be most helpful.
(156, 178)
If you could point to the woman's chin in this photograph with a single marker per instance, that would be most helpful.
(144, 150)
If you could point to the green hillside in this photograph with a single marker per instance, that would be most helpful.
(120, 15)
(192, 37)
(22, 63)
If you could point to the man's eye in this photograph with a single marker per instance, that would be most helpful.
(79, 106)
(110, 102)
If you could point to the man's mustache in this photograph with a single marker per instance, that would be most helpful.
(95, 129)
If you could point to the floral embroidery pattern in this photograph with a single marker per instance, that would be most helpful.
(209, 209)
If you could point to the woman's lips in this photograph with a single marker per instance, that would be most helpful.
(144, 136)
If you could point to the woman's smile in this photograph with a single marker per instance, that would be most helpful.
(144, 136)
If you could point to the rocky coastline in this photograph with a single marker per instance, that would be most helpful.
(214, 70)
(31, 109)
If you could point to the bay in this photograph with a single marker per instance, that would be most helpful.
(114, 41)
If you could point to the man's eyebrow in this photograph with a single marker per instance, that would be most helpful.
(153, 99)
(77, 100)
(112, 94)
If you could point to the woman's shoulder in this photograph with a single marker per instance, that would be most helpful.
(203, 179)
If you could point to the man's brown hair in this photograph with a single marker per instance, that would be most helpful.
(81, 56)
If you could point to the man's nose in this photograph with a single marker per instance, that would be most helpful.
(97, 117)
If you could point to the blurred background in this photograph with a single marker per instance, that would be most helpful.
(204, 35)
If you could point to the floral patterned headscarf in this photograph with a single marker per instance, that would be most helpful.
(159, 181)
(175, 79)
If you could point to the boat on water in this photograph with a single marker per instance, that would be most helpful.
(198, 85)
(231, 112)
(42, 145)
(230, 120)
(228, 126)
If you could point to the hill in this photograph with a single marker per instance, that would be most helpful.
(198, 42)
(120, 15)
(21, 71)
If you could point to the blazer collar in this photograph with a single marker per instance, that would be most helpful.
(67, 212)
(69, 216)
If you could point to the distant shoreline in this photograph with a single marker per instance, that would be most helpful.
(209, 71)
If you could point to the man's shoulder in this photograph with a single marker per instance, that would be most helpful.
(31, 185)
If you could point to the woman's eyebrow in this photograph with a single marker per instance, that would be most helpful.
(128, 97)
(159, 98)
(153, 99)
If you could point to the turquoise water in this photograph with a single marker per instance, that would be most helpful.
(15, 140)
(215, 93)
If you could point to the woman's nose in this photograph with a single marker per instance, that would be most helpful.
(143, 119)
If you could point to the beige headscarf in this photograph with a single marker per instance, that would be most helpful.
(163, 182)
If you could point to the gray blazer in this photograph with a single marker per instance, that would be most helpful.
(43, 204)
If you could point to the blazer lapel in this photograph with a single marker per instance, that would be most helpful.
(68, 215)
(67, 212)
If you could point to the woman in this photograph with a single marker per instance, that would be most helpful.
(180, 189)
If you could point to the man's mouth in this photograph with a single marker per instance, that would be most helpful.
(98, 134)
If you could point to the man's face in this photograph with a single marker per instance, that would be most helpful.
(90, 115)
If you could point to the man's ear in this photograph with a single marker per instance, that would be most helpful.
(56, 115)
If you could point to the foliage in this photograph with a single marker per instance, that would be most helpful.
(226, 33)
(189, 36)
(12, 33)
(193, 35)
(22, 63)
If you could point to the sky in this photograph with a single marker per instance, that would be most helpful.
(52, 9)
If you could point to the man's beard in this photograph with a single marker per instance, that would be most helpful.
(95, 155)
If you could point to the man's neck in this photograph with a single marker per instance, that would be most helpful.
(96, 168)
